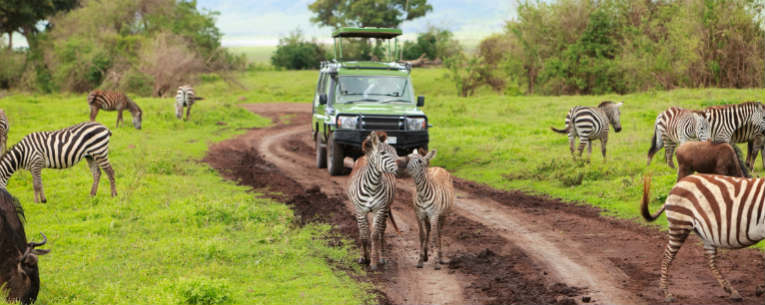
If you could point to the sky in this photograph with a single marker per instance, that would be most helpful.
(262, 22)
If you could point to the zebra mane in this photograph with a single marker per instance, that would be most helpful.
(605, 103)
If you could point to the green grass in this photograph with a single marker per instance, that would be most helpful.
(255, 54)
(506, 142)
(177, 232)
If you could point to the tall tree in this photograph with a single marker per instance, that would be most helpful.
(23, 15)
(373, 13)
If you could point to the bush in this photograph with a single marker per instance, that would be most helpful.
(203, 291)
(12, 65)
(434, 44)
(293, 53)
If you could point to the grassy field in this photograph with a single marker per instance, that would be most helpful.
(177, 232)
(255, 54)
(506, 142)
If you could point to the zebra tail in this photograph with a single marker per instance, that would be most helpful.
(644, 204)
(654, 146)
(393, 221)
(560, 130)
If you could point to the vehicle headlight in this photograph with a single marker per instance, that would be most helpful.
(347, 122)
(415, 123)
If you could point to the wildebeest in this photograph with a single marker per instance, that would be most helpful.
(709, 158)
(18, 258)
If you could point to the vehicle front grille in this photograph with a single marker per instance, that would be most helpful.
(379, 122)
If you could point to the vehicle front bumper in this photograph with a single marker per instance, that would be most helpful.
(405, 140)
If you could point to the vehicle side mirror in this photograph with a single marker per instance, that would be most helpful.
(420, 101)
(323, 99)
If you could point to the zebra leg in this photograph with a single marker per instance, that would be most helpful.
(669, 151)
(178, 110)
(37, 182)
(571, 144)
(582, 143)
(119, 118)
(361, 222)
(188, 112)
(676, 239)
(381, 249)
(423, 241)
(603, 142)
(93, 112)
(427, 236)
(104, 164)
(96, 175)
(437, 239)
(710, 252)
(378, 223)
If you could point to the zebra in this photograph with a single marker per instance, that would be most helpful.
(590, 124)
(185, 98)
(3, 131)
(432, 202)
(60, 149)
(746, 118)
(755, 146)
(370, 189)
(110, 101)
(726, 212)
(676, 126)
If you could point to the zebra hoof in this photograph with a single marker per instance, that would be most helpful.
(373, 267)
(363, 261)
(735, 296)
(382, 261)
(437, 266)
(44, 201)
(419, 264)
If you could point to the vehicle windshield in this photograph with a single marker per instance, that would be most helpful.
(374, 89)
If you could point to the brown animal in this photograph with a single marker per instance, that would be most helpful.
(19, 274)
(709, 158)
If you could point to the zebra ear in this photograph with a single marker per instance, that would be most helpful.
(619, 104)
(414, 151)
(430, 155)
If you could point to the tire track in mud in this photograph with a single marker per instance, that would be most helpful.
(504, 247)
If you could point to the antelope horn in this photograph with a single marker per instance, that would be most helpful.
(34, 244)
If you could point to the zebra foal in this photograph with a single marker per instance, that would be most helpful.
(432, 202)
(185, 98)
(370, 188)
(60, 149)
(111, 101)
(676, 126)
(725, 212)
(3, 131)
(589, 124)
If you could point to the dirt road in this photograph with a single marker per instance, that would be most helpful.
(504, 247)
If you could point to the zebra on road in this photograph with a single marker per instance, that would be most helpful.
(676, 126)
(60, 149)
(725, 212)
(185, 98)
(591, 123)
(370, 189)
(111, 101)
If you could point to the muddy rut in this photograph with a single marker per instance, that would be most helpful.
(503, 247)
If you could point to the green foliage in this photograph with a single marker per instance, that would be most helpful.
(367, 13)
(13, 64)
(294, 53)
(177, 233)
(434, 44)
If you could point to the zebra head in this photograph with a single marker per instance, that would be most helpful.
(419, 161)
(613, 113)
(382, 157)
(137, 117)
(703, 129)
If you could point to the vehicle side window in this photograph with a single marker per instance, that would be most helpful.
(319, 88)
(330, 89)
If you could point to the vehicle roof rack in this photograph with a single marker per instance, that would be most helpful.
(367, 32)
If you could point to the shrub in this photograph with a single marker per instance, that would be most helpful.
(294, 53)
(434, 44)
(203, 291)
(12, 65)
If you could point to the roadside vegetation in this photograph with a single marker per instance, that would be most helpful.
(177, 233)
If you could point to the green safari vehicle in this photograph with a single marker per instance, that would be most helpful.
(355, 97)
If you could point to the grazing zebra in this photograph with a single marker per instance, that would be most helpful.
(110, 101)
(60, 149)
(589, 124)
(370, 188)
(185, 98)
(676, 126)
(432, 202)
(726, 212)
(3, 131)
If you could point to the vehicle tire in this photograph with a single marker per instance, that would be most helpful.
(334, 157)
(321, 153)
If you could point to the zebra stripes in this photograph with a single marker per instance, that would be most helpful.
(3, 131)
(432, 202)
(111, 101)
(589, 124)
(726, 212)
(676, 126)
(185, 98)
(60, 149)
(746, 119)
(370, 189)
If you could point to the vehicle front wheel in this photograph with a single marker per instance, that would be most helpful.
(321, 153)
(334, 156)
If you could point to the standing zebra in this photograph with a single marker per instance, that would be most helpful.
(432, 202)
(589, 124)
(748, 119)
(110, 101)
(60, 149)
(726, 212)
(3, 131)
(371, 188)
(185, 98)
(676, 126)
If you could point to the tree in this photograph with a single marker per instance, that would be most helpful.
(294, 53)
(363, 13)
(23, 15)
